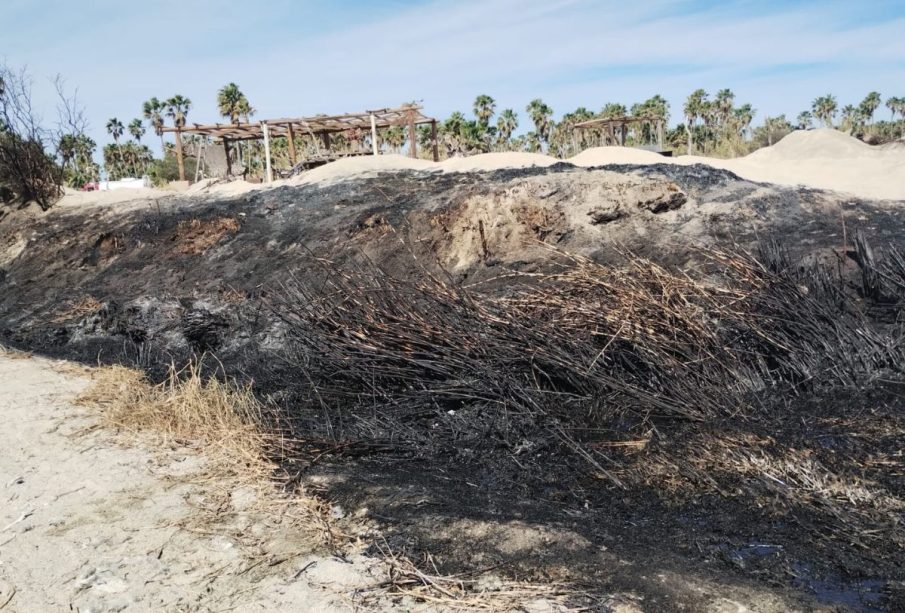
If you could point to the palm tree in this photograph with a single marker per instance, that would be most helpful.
(115, 128)
(869, 105)
(824, 109)
(850, 116)
(232, 103)
(742, 117)
(136, 129)
(805, 120)
(895, 105)
(613, 109)
(723, 102)
(540, 114)
(484, 107)
(67, 148)
(177, 108)
(695, 107)
(153, 111)
(506, 124)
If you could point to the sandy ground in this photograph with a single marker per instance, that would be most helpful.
(89, 525)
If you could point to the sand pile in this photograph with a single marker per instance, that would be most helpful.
(826, 159)
(600, 156)
(77, 198)
(497, 161)
(822, 159)
(813, 144)
(363, 166)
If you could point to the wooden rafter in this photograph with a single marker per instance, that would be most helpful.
(317, 124)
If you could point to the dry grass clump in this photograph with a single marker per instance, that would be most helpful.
(221, 417)
(78, 309)
(13, 354)
(196, 236)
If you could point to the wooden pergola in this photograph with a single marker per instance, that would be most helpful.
(318, 126)
(614, 129)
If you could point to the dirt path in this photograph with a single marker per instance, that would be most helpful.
(88, 525)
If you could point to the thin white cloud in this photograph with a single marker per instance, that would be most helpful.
(570, 52)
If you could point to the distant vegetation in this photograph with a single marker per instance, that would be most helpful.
(35, 161)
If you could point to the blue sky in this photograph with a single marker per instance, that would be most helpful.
(315, 56)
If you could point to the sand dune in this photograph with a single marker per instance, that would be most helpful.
(821, 159)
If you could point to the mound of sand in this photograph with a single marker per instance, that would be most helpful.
(76, 198)
(813, 144)
(821, 159)
(497, 161)
(363, 166)
(826, 159)
(600, 156)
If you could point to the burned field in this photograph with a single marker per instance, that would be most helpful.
(664, 382)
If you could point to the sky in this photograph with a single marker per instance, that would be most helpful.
(303, 57)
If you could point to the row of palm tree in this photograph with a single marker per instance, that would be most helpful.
(723, 124)
(715, 126)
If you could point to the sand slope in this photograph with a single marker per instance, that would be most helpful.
(822, 159)
(88, 525)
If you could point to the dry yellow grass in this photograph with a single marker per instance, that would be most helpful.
(223, 418)
(234, 433)
(197, 236)
(13, 354)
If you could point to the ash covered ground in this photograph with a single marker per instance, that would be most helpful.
(747, 453)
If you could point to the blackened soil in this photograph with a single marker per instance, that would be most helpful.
(679, 548)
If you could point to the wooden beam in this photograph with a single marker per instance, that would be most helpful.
(373, 135)
(179, 161)
(434, 140)
(413, 136)
(268, 172)
(290, 140)
(229, 165)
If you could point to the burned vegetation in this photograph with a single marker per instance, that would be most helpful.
(679, 373)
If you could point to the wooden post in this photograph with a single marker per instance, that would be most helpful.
(290, 140)
(434, 140)
(373, 135)
(179, 160)
(413, 136)
(229, 165)
(660, 134)
(325, 138)
(268, 173)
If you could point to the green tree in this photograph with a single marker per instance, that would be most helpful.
(484, 107)
(177, 108)
(850, 118)
(506, 124)
(152, 110)
(115, 128)
(896, 106)
(723, 103)
(612, 110)
(869, 106)
(824, 109)
(232, 103)
(136, 129)
(695, 107)
(541, 115)
(805, 120)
